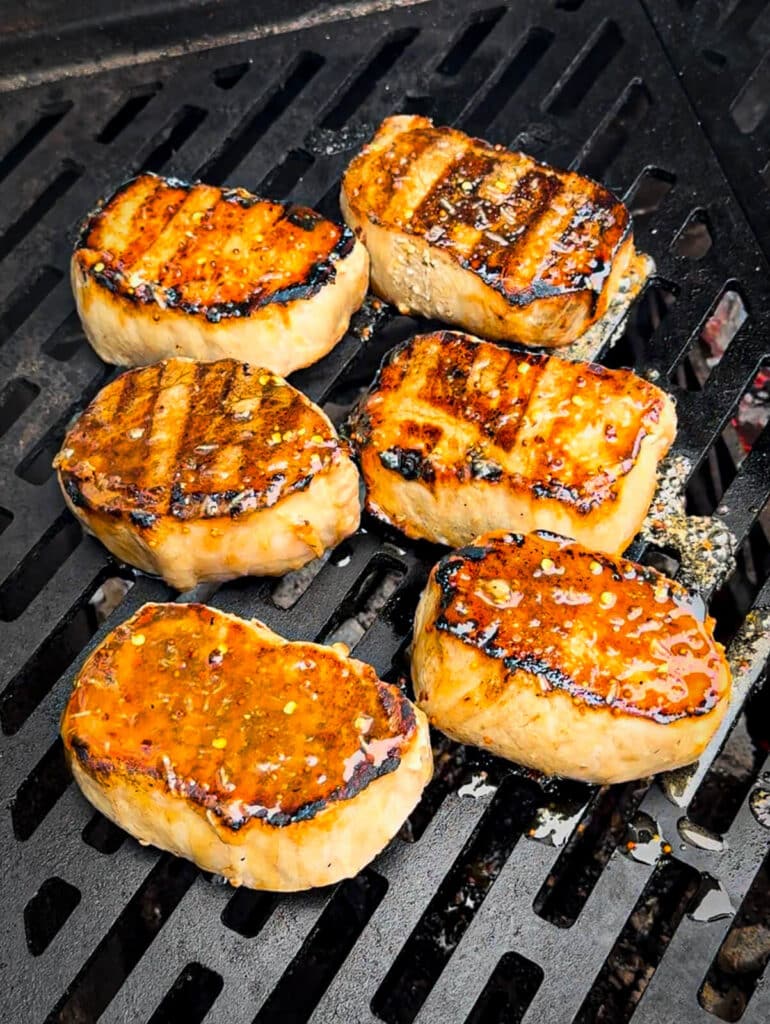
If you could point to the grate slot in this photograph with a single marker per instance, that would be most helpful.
(53, 549)
(324, 951)
(38, 793)
(15, 398)
(25, 300)
(605, 44)
(648, 193)
(695, 237)
(425, 954)
(183, 124)
(32, 137)
(247, 912)
(644, 320)
(279, 182)
(6, 518)
(102, 835)
(363, 85)
(641, 944)
(471, 38)
(616, 130)
(190, 998)
(128, 112)
(509, 992)
(126, 941)
(66, 340)
(261, 117)
(21, 227)
(752, 103)
(715, 335)
(227, 77)
(47, 912)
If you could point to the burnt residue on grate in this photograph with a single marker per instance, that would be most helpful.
(102, 929)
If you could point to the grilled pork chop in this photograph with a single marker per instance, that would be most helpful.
(206, 471)
(458, 436)
(477, 236)
(278, 765)
(566, 660)
(165, 268)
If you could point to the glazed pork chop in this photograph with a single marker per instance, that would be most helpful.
(278, 765)
(165, 268)
(477, 236)
(458, 436)
(207, 471)
(566, 660)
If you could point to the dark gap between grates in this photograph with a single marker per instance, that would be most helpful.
(577, 870)
(103, 835)
(279, 182)
(325, 950)
(21, 227)
(227, 77)
(125, 943)
(605, 146)
(569, 5)
(134, 104)
(752, 102)
(39, 791)
(25, 299)
(374, 592)
(694, 239)
(32, 137)
(437, 934)
(644, 318)
(647, 194)
(40, 672)
(260, 118)
(509, 991)
(66, 339)
(15, 398)
(183, 124)
(745, 952)
(733, 772)
(729, 450)
(451, 763)
(290, 588)
(628, 969)
(531, 48)
(605, 44)
(714, 337)
(6, 518)
(190, 998)
(734, 599)
(37, 567)
(472, 36)
(365, 590)
(47, 911)
(247, 911)
(665, 559)
(365, 82)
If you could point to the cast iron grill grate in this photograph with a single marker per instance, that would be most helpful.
(466, 916)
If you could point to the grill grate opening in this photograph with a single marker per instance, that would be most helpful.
(39, 791)
(731, 776)
(182, 125)
(752, 104)
(665, 559)
(280, 181)
(648, 193)
(190, 998)
(426, 952)
(15, 398)
(590, 63)
(695, 237)
(126, 941)
(26, 581)
(103, 835)
(348, 912)
(530, 51)
(614, 132)
(641, 944)
(21, 227)
(567, 888)
(47, 911)
(365, 82)
(471, 38)
(644, 319)
(33, 137)
(66, 340)
(734, 599)
(26, 298)
(226, 78)
(716, 334)
(6, 518)
(359, 607)
(247, 912)
(508, 993)
(128, 112)
(263, 114)
(745, 952)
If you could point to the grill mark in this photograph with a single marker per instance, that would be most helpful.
(175, 494)
(422, 148)
(144, 239)
(470, 167)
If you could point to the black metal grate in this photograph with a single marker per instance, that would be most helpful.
(466, 916)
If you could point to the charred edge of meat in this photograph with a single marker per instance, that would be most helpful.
(410, 463)
(143, 519)
(73, 491)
